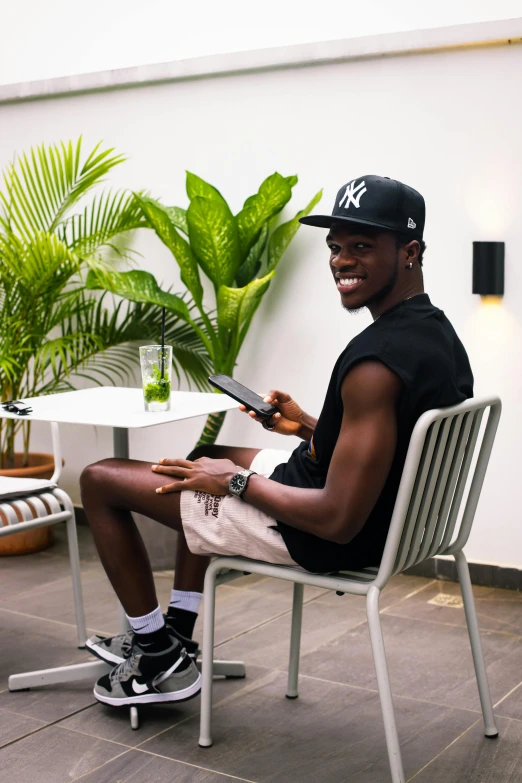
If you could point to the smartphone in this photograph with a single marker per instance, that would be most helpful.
(247, 397)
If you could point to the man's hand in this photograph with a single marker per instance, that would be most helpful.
(290, 419)
(204, 474)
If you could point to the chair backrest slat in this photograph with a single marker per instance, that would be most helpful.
(475, 419)
(447, 451)
(455, 449)
(416, 496)
(421, 523)
(437, 466)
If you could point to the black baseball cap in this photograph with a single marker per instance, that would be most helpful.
(376, 201)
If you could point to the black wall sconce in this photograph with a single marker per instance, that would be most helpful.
(488, 268)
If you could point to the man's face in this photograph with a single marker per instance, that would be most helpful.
(363, 262)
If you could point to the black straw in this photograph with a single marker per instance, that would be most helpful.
(163, 344)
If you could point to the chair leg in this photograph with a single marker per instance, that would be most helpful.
(74, 557)
(295, 642)
(383, 684)
(490, 728)
(209, 607)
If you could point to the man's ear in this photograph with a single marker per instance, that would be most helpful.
(412, 250)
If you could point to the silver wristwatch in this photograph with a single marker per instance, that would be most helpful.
(238, 482)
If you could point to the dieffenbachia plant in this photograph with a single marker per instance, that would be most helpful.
(239, 254)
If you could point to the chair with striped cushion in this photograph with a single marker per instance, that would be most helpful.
(26, 511)
(424, 524)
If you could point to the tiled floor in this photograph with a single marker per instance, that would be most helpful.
(333, 733)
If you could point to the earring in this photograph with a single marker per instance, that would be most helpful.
(410, 266)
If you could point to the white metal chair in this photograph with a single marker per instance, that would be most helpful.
(423, 525)
(59, 509)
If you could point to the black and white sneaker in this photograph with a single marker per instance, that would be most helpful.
(148, 678)
(116, 649)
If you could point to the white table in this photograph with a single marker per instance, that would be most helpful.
(119, 408)
(122, 409)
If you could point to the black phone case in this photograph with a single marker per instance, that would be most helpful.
(232, 388)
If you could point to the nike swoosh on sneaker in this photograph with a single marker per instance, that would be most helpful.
(138, 687)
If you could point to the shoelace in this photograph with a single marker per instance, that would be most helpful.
(126, 643)
(128, 666)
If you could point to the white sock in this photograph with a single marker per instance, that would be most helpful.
(148, 623)
(183, 599)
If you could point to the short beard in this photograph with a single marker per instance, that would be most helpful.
(385, 290)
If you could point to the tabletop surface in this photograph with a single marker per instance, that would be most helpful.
(115, 406)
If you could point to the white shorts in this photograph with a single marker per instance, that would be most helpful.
(227, 525)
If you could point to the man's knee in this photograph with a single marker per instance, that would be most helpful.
(94, 476)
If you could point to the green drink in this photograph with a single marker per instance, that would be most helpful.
(156, 365)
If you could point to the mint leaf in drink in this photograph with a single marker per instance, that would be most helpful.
(157, 390)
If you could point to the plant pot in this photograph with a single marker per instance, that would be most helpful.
(39, 538)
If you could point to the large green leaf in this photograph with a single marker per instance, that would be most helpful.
(284, 233)
(137, 286)
(272, 196)
(214, 238)
(198, 187)
(250, 267)
(178, 217)
(235, 305)
(160, 220)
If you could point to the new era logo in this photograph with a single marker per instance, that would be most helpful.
(411, 223)
(352, 194)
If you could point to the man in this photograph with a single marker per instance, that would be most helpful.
(332, 497)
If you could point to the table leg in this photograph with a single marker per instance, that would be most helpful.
(120, 439)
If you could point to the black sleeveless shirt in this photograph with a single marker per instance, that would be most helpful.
(418, 343)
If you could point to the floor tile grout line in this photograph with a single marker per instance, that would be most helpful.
(196, 766)
(397, 695)
(195, 715)
(44, 585)
(508, 717)
(261, 624)
(100, 766)
(47, 725)
(50, 620)
(443, 751)
(20, 714)
(507, 694)
(449, 625)
(23, 736)
(35, 617)
(95, 736)
(414, 592)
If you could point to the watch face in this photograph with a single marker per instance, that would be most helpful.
(237, 483)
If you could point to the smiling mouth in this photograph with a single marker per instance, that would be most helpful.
(347, 284)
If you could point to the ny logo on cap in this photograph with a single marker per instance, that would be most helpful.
(349, 194)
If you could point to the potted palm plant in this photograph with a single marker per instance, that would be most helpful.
(53, 230)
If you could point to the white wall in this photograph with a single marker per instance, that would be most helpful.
(449, 124)
(58, 38)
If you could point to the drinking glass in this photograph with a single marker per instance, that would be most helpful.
(156, 365)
